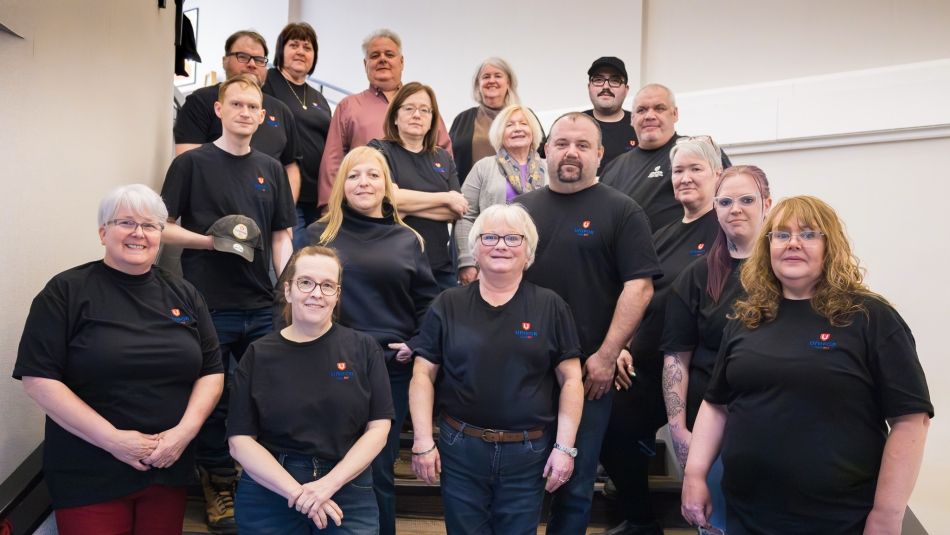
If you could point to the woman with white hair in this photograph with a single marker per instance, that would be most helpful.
(505, 358)
(123, 358)
(516, 168)
(494, 86)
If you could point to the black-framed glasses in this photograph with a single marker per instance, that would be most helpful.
(326, 288)
(806, 237)
(490, 239)
(613, 81)
(260, 61)
(745, 201)
(131, 224)
(410, 110)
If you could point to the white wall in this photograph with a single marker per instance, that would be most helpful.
(87, 101)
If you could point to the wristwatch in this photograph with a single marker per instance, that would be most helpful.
(570, 451)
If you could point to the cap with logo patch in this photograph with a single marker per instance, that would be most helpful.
(236, 234)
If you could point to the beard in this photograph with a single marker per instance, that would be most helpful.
(570, 176)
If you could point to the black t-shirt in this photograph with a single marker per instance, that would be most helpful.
(694, 322)
(646, 177)
(313, 124)
(618, 138)
(312, 398)
(387, 283)
(131, 347)
(590, 243)
(432, 172)
(807, 405)
(497, 363)
(275, 137)
(677, 245)
(207, 183)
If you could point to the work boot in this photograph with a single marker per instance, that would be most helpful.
(218, 486)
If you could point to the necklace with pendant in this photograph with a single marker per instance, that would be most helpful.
(303, 102)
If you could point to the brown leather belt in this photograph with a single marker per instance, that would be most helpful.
(493, 435)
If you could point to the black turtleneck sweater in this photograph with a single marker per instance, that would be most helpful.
(387, 282)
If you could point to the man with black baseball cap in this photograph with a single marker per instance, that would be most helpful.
(236, 211)
(607, 86)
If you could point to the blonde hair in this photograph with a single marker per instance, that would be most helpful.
(246, 81)
(840, 291)
(334, 216)
(496, 133)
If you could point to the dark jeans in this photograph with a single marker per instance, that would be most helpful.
(260, 511)
(627, 461)
(305, 216)
(446, 278)
(236, 330)
(383, 478)
(570, 507)
(492, 488)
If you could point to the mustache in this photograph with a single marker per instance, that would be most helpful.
(570, 161)
(606, 92)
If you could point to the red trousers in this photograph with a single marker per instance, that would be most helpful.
(155, 510)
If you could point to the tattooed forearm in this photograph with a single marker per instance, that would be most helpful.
(674, 403)
(673, 385)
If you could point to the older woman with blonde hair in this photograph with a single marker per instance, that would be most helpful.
(514, 169)
(505, 358)
(494, 86)
(388, 285)
(817, 399)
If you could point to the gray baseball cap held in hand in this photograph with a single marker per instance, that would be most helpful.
(236, 234)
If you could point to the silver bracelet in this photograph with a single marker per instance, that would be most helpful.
(414, 454)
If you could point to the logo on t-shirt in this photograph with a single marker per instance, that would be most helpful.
(584, 229)
(272, 120)
(179, 317)
(824, 342)
(699, 250)
(438, 167)
(341, 373)
(525, 332)
(261, 184)
(631, 144)
(656, 173)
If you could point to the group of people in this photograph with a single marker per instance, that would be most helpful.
(547, 303)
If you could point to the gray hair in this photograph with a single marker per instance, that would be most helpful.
(513, 215)
(138, 198)
(699, 147)
(503, 66)
(496, 133)
(382, 33)
(656, 86)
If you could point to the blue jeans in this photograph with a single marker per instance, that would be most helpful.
(714, 482)
(263, 512)
(236, 330)
(383, 478)
(446, 278)
(492, 488)
(570, 507)
(305, 216)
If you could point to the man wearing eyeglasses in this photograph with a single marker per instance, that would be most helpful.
(245, 52)
(236, 212)
(607, 86)
(643, 172)
(358, 118)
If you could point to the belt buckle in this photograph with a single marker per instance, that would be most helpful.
(486, 432)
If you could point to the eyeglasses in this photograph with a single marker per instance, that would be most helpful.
(130, 225)
(411, 110)
(744, 201)
(613, 81)
(705, 139)
(806, 237)
(490, 239)
(260, 61)
(326, 288)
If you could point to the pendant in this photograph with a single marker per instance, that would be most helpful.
(304, 106)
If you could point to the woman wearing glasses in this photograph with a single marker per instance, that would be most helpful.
(505, 358)
(428, 195)
(638, 413)
(310, 409)
(696, 310)
(388, 286)
(817, 400)
(516, 168)
(123, 358)
(494, 87)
